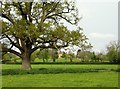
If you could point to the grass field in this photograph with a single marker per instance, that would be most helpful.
(52, 75)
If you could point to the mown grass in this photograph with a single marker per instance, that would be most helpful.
(61, 76)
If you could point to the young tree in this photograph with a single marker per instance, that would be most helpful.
(71, 55)
(65, 55)
(45, 55)
(28, 26)
(40, 54)
(36, 55)
(8, 57)
(84, 53)
(54, 54)
(113, 51)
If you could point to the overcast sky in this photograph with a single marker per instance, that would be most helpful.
(99, 22)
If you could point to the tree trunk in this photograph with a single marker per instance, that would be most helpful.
(43, 60)
(71, 60)
(54, 59)
(26, 65)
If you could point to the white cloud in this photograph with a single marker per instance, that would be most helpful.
(99, 40)
(101, 36)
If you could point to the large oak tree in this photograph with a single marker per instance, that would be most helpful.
(28, 26)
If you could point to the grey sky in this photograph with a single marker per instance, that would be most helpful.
(100, 21)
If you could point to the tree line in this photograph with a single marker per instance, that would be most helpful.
(112, 55)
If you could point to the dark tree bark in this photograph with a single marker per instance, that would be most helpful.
(26, 65)
(25, 55)
(54, 59)
(71, 60)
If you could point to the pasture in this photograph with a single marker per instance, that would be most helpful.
(61, 75)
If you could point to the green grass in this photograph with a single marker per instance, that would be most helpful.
(51, 75)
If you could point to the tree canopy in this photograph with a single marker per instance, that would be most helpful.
(28, 26)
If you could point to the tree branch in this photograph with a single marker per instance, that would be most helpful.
(14, 44)
(54, 7)
(11, 51)
(50, 46)
(51, 16)
(19, 7)
(29, 6)
(6, 17)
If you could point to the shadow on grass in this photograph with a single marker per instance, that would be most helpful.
(52, 71)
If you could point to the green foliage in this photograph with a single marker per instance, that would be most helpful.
(64, 55)
(41, 54)
(45, 55)
(85, 56)
(35, 54)
(10, 58)
(112, 55)
(54, 54)
(113, 52)
(70, 56)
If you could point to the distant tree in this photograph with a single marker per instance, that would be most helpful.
(85, 56)
(78, 53)
(118, 55)
(5, 58)
(84, 53)
(41, 54)
(45, 55)
(65, 55)
(104, 58)
(113, 52)
(54, 54)
(8, 57)
(35, 54)
(71, 56)
(99, 57)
